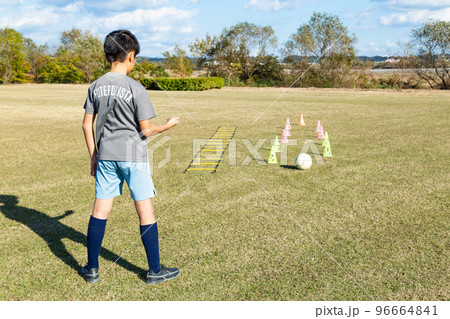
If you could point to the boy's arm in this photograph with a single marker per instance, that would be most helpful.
(88, 129)
(148, 128)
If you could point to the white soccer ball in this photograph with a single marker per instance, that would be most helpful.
(303, 161)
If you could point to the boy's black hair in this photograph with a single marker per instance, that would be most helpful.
(118, 44)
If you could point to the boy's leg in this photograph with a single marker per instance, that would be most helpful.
(96, 230)
(108, 184)
(139, 180)
(102, 208)
(149, 232)
(146, 211)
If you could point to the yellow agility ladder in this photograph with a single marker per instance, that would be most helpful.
(210, 155)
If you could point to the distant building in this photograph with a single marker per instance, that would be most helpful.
(392, 60)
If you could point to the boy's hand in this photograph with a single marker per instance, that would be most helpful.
(172, 121)
(94, 162)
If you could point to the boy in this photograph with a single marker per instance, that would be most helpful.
(123, 110)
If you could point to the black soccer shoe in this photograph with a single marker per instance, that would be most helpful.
(164, 274)
(90, 275)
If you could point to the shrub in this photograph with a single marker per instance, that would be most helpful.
(183, 84)
(234, 81)
(57, 71)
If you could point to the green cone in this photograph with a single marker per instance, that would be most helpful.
(327, 151)
(273, 156)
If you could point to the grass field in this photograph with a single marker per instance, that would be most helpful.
(372, 223)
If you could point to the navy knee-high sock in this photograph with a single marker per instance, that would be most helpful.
(96, 231)
(149, 235)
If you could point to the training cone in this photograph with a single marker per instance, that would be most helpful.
(287, 127)
(320, 133)
(277, 145)
(327, 150)
(325, 141)
(273, 156)
(317, 127)
(288, 124)
(301, 122)
(284, 137)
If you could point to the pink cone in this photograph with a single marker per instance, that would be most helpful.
(288, 124)
(284, 137)
(320, 133)
(317, 127)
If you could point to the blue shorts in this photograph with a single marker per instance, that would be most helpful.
(111, 174)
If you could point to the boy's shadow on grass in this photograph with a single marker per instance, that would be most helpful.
(53, 232)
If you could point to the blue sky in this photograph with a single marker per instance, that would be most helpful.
(160, 24)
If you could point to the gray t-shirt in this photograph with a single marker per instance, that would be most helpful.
(119, 102)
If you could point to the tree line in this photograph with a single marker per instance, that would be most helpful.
(321, 53)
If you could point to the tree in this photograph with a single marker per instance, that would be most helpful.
(203, 50)
(146, 69)
(69, 37)
(62, 69)
(88, 49)
(240, 50)
(268, 71)
(211, 54)
(247, 45)
(13, 67)
(36, 57)
(325, 39)
(432, 41)
(85, 51)
(178, 62)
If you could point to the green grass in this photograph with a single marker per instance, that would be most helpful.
(379, 206)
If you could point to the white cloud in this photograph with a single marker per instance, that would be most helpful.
(70, 8)
(120, 5)
(11, 2)
(159, 20)
(418, 3)
(41, 23)
(391, 44)
(272, 5)
(386, 48)
(157, 27)
(30, 17)
(187, 29)
(158, 42)
(366, 49)
(414, 17)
